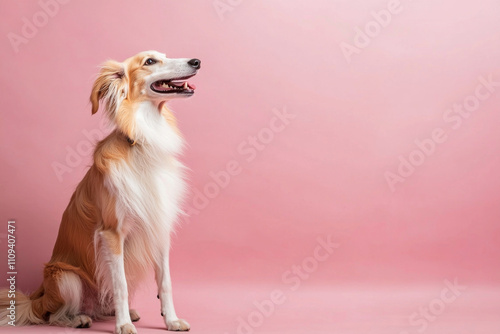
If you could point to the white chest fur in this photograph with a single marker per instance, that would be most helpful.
(149, 186)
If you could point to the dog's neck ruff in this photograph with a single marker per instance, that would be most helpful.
(152, 132)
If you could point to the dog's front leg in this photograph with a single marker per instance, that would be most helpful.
(112, 243)
(164, 282)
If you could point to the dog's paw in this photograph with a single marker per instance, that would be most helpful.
(81, 321)
(125, 329)
(178, 325)
(134, 315)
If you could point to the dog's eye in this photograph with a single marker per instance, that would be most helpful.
(150, 61)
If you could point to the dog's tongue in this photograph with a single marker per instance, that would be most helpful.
(192, 86)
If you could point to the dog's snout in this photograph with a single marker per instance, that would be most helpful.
(196, 63)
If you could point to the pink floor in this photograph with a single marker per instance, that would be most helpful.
(316, 309)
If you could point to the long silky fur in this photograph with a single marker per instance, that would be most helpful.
(157, 144)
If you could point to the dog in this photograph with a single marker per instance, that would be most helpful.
(120, 217)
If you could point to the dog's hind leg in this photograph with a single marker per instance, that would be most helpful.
(61, 300)
(70, 288)
(134, 315)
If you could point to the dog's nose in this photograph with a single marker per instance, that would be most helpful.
(196, 63)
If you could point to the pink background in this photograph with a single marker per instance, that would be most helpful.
(324, 174)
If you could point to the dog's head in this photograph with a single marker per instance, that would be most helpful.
(149, 75)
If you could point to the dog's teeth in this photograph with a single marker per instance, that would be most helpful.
(185, 85)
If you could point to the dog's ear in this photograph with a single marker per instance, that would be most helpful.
(109, 86)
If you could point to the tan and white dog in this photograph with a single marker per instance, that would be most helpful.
(119, 219)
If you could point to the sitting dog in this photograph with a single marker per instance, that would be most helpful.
(119, 219)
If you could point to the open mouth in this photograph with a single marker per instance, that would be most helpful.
(173, 86)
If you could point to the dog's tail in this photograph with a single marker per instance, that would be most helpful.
(16, 309)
